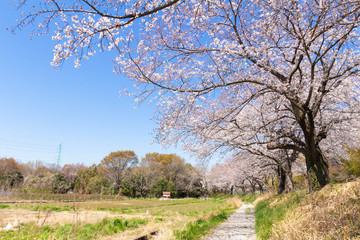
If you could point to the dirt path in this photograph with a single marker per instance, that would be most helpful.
(239, 226)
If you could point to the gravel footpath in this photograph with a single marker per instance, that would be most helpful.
(239, 226)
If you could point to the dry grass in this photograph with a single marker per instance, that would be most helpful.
(130, 206)
(163, 216)
(87, 216)
(94, 205)
(165, 228)
(235, 201)
(264, 197)
(332, 213)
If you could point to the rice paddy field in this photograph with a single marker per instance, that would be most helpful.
(106, 218)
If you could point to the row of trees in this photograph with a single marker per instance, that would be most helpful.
(118, 173)
(122, 173)
(247, 172)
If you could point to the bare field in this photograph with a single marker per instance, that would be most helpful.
(163, 216)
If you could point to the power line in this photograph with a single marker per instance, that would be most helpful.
(26, 147)
(18, 143)
(26, 150)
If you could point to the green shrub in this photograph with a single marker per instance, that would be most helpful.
(353, 164)
(160, 185)
(60, 184)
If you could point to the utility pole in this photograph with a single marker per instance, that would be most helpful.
(59, 156)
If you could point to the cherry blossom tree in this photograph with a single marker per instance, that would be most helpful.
(251, 133)
(301, 57)
(220, 179)
(71, 171)
(239, 171)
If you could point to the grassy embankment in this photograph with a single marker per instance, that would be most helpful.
(331, 213)
(123, 219)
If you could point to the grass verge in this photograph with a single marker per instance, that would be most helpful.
(202, 226)
(331, 213)
(194, 230)
(274, 210)
(249, 198)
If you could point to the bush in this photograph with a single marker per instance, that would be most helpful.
(353, 164)
(60, 184)
(97, 184)
(37, 183)
(12, 179)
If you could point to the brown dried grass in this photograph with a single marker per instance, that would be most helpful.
(174, 217)
(87, 216)
(235, 201)
(332, 213)
(165, 228)
(264, 197)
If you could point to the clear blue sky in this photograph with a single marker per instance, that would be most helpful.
(79, 108)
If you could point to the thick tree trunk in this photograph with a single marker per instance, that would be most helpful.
(261, 188)
(253, 187)
(285, 180)
(315, 161)
(286, 183)
(317, 168)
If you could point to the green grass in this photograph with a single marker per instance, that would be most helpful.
(249, 198)
(190, 208)
(266, 215)
(160, 210)
(73, 231)
(125, 210)
(3, 206)
(187, 207)
(74, 197)
(53, 208)
(159, 219)
(199, 228)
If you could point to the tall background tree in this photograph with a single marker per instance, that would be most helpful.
(10, 173)
(114, 166)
